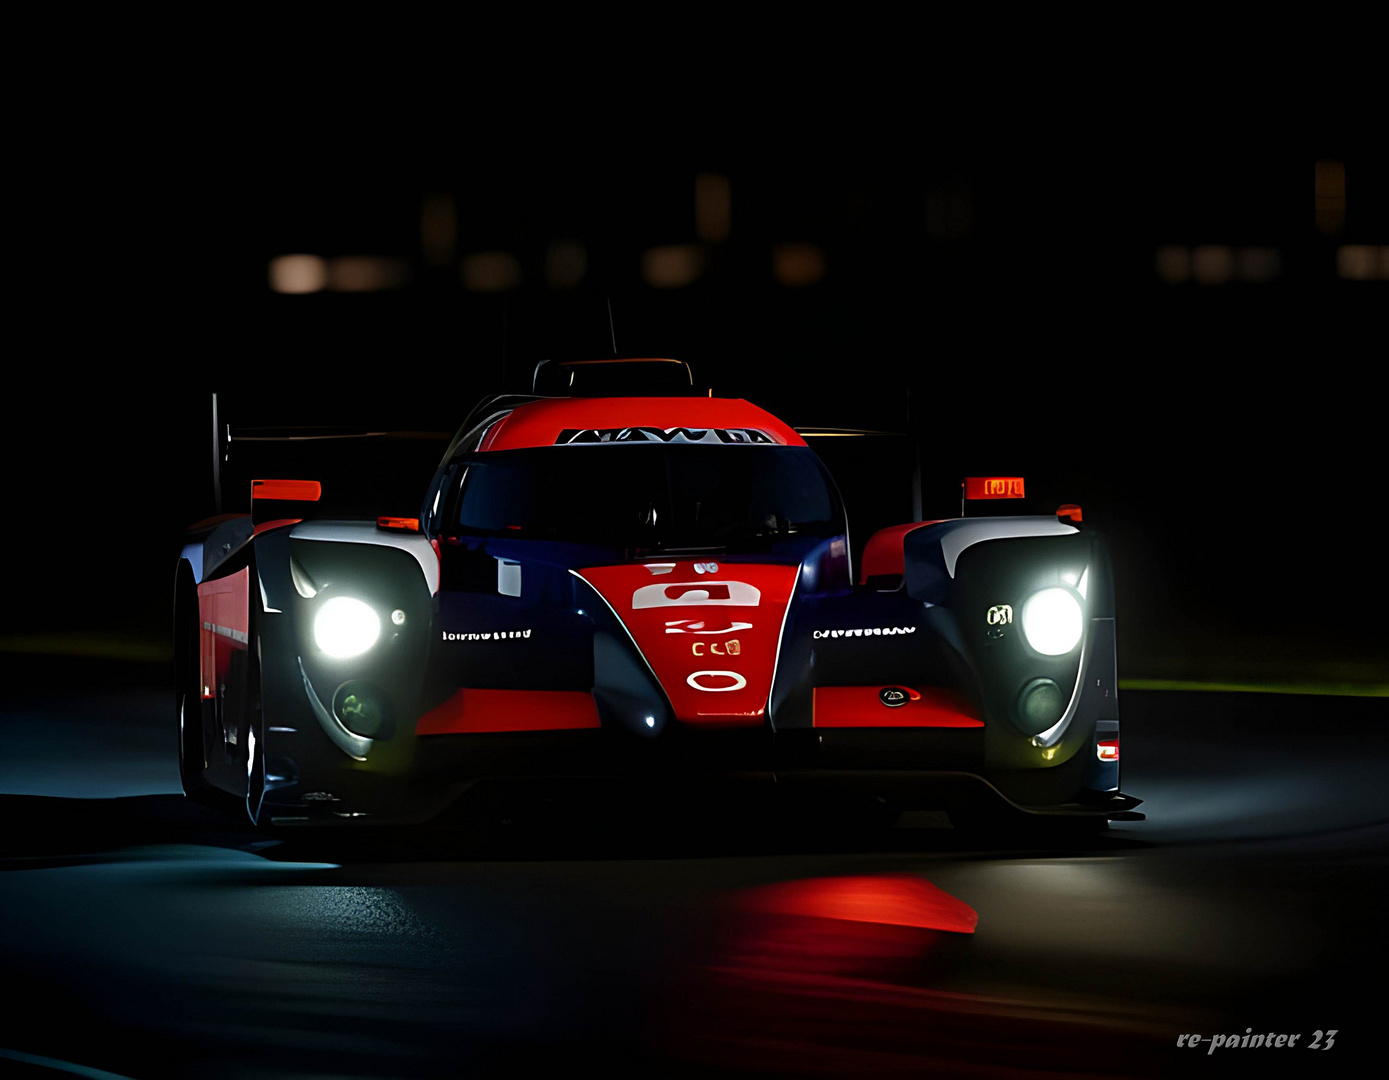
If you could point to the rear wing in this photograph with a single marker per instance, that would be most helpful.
(613, 376)
(360, 472)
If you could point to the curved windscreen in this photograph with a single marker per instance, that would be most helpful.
(659, 497)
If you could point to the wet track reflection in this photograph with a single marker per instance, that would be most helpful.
(152, 938)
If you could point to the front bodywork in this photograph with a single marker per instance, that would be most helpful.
(501, 657)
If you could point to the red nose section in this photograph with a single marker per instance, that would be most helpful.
(709, 630)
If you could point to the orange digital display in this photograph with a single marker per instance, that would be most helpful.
(993, 487)
(289, 490)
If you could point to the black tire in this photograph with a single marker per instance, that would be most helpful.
(188, 710)
(254, 738)
(242, 713)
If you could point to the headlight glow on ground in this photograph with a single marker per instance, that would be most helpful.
(346, 627)
(1052, 621)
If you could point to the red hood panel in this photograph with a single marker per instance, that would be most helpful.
(710, 635)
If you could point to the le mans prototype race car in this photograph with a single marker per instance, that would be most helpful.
(609, 588)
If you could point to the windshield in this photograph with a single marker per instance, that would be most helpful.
(653, 496)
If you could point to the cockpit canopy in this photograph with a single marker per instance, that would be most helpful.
(650, 495)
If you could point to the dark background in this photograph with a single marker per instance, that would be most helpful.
(1006, 306)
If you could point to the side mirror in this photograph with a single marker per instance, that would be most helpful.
(884, 564)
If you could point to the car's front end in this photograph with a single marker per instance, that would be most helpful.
(668, 596)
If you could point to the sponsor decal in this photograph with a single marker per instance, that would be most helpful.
(690, 620)
(228, 632)
(688, 593)
(897, 707)
(701, 626)
(711, 436)
(492, 635)
(727, 648)
(865, 631)
(893, 696)
(1000, 615)
(994, 487)
(695, 680)
(706, 568)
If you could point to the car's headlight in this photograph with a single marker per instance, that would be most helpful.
(1052, 621)
(346, 627)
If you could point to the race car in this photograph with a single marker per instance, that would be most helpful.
(605, 589)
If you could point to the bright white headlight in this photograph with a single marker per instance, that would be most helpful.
(1052, 621)
(346, 627)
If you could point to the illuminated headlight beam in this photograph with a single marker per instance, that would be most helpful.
(1052, 621)
(345, 627)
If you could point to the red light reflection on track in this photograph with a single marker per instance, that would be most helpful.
(862, 927)
(891, 900)
(833, 977)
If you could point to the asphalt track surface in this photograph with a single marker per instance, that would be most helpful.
(148, 937)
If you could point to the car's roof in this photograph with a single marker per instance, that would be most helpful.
(554, 421)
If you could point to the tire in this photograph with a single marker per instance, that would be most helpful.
(254, 738)
(188, 709)
(242, 712)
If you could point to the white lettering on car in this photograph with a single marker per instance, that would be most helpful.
(865, 631)
(493, 635)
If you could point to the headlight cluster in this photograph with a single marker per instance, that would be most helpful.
(1052, 621)
(344, 627)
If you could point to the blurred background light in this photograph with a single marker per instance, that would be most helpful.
(1330, 200)
(713, 207)
(1213, 264)
(1362, 262)
(798, 264)
(298, 274)
(1173, 264)
(566, 263)
(491, 271)
(1216, 264)
(438, 229)
(672, 266)
(367, 273)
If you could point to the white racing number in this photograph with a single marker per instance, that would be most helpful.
(694, 680)
(691, 593)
